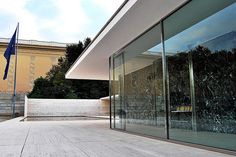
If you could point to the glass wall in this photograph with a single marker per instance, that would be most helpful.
(137, 86)
(194, 65)
(200, 54)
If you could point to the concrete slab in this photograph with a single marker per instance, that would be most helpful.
(84, 138)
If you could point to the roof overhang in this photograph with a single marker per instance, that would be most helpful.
(132, 19)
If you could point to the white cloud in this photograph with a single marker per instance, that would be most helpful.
(69, 24)
(15, 9)
(71, 17)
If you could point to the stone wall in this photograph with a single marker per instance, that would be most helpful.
(143, 96)
(66, 107)
(6, 104)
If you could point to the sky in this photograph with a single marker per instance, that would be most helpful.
(220, 23)
(67, 21)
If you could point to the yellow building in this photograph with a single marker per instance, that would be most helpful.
(35, 58)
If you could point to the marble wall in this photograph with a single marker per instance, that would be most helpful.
(66, 107)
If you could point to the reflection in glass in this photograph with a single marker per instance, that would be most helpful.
(142, 107)
(200, 77)
(118, 92)
(143, 95)
(201, 61)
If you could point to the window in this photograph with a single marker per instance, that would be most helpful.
(194, 77)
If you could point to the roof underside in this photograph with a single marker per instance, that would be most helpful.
(134, 18)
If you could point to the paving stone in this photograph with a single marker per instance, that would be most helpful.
(88, 138)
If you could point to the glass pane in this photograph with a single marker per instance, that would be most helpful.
(111, 92)
(143, 85)
(200, 43)
(118, 92)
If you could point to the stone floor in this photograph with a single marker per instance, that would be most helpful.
(84, 138)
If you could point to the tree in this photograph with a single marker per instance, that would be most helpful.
(41, 88)
(54, 85)
(73, 51)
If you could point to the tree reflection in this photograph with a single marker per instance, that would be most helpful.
(215, 87)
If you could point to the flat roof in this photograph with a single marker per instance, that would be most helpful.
(132, 19)
(35, 42)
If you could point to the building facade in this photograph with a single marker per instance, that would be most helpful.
(35, 58)
(172, 70)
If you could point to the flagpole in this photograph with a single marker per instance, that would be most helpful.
(14, 92)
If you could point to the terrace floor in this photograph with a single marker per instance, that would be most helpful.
(84, 138)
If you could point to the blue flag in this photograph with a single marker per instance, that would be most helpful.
(9, 51)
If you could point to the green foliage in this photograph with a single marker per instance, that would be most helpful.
(41, 88)
(54, 85)
(74, 50)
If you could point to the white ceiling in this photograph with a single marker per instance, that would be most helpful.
(134, 18)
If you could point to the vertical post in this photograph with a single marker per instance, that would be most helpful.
(14, 91)
(114, 94)
(123, 90)
(110, 92)
(165, 81)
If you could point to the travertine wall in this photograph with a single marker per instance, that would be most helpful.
(66, 107)
(6, 104)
